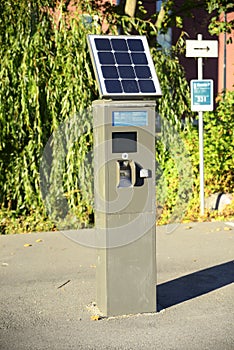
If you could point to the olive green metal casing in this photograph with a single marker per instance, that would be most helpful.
(125, 208)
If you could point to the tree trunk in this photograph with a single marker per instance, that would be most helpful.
(130, 7)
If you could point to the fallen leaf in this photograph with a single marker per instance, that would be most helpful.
(226, 228)
(39, 240)
(95, 318)
(27, 245)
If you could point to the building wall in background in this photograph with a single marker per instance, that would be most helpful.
(226, 65)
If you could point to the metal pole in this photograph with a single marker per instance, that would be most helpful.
(201, 157)
(225, 58)
(201, 145)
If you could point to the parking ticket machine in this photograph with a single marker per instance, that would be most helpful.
(124, 158)
(124, 173)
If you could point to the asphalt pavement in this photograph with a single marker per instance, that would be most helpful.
(48, 292)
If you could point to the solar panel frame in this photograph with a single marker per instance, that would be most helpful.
(133, 76)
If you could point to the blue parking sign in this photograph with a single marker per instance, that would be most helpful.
(201, 95)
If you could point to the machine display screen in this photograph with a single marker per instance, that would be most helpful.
(124, 142)
(129, 118)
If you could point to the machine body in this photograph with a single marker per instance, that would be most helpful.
(124, 184)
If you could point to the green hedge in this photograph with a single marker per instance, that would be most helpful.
(218, 162)
(46, 78)
(47, 87)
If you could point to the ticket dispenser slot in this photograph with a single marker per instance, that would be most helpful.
(126, 173)
(130, 174)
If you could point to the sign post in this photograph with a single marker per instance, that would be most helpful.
(201, 137)
(201, 96)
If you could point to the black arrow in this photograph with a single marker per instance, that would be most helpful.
(202, 48)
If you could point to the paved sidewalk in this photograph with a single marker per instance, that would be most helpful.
(47, 285)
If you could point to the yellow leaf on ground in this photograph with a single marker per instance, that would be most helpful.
(95, 318)
(27, 245)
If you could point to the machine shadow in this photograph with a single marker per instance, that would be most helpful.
(193, 285)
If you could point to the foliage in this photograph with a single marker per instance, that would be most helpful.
(47, 87)
(218, 23)
(46, 78)
(173, 106)
(174, 175)
(13, 222)
(218, 147)
(218, 163)
(173, 14)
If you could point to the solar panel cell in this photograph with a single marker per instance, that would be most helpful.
(126, 72)
(119, 44)
(106, 58)
(130, 86)
(123, 58)
(135, 45)
(113, 86)
(109, 72)
(139, 58)
(146, 86)
(143, 72)
(103, 44)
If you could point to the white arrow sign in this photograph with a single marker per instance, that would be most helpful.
(201, 48)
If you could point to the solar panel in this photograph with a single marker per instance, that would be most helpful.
(123, 66)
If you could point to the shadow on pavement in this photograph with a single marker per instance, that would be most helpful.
(193, 285)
